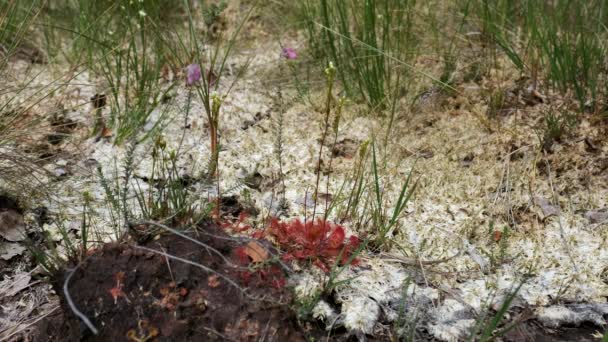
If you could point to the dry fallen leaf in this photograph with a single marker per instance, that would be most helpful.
(256, 252)
(547, 208)
(106, 132)
(11, 226)
(11, 287)
(497, 235)
(9, 250)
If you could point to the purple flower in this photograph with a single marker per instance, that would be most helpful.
(289, 53)
(193, 74)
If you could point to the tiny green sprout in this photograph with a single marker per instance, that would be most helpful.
(363, 149)
(173, 155)
(330, 71)
(216, 103)
(161, 143)
(336, 122)
(87, 196)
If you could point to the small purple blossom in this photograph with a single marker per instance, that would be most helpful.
(289, 53)
(193, 74)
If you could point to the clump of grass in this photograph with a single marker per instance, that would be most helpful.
(88, 26)
(486, 327)
(212, 12)
(562, 42)
(556, 126)
(51, 256)
(167, 198)
(209, 77)
(16, 21)
(500, 240)
(131, 70)
(496, 103)
(16, 18)
(125, 45)
(373, 210)
(369, 42)
(385, 222)
(362, 200)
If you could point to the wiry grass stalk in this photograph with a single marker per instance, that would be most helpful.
(330, 73)
(211, 79)
(563, 42)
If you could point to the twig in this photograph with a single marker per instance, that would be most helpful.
(417, 261)
(68, 298)
(210, 270)
(180, 234)
(168, 264)
(219, 334)
(29, 324)
(263, 337)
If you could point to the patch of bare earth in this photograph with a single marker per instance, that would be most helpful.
(130, 294)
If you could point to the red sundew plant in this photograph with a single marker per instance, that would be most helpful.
(266, 274)
(117, 291)
(320, 242)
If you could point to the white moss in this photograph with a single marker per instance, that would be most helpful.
(307, 285)
(452, 331)
(360, 314)
(322, 311)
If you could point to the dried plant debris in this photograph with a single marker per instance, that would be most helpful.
(573, 314)
(14, 285)
(9, 250)
(12, 227)
(597, 216)
(547, 208)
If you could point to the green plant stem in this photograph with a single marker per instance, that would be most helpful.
(330, 72)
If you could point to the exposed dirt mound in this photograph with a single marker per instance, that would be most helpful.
(130, 294)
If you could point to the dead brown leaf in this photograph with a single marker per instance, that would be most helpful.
(106, 132)
(256, 252)
(497, 235)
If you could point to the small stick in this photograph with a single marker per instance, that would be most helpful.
(68, 298)
(204, 245)
(167, 261)
(213, 331)
(205, 268)
(29, 324)
(417, 261)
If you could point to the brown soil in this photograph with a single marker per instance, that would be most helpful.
(169, 300)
